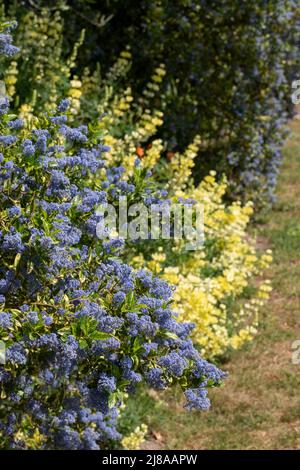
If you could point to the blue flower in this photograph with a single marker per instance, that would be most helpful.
(32, 317)
(16, 354)
(7, 139)
(155, 378)
(90, 439)
(6, 46)
(204, 368)
(173, 363)
(14, 211)
(28, 148)
(106, 383)
(5, 319)
(63, 105)
(16, 124)
(197, 399)
(74, 134)
(119, 298)
(4, 105)
(12, 241)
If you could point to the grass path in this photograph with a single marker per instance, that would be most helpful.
(259, 408)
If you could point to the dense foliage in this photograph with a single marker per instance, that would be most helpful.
(161, 102)
(228, 64)
(216, 286)
(81, 327)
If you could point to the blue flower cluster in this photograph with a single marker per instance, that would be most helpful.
(81, 327)
(6, 46)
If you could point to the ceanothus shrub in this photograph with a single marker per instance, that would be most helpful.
(80, 327)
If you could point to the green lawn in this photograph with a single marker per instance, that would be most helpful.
(259, 407)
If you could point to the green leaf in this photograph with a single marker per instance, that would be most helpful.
(112, 400)
(66, 330)
(99, 335)
(137, 345)
(17, 260)
(83, 343)
(169, 334)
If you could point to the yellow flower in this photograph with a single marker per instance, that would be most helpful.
(135, 439)
(212, 291)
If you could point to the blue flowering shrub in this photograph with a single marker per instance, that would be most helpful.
(228, 74)
(80, 327)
